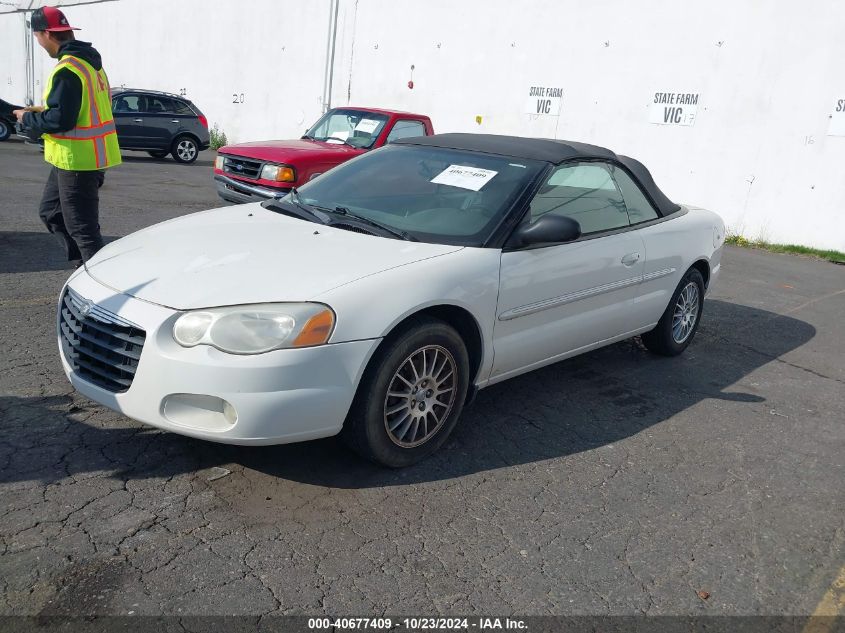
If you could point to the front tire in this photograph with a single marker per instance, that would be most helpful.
(679, 322)
(185, 150)
(411, 395)
(5, 130)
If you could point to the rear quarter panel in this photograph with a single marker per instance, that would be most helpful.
(675, 245)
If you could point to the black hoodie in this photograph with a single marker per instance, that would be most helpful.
(65, 97)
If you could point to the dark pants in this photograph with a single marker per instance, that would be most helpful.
(70, 211)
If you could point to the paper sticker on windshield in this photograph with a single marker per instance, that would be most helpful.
(338, 137)
(367, 126)
(472, 178)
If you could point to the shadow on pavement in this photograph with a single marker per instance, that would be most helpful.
(575, 405)
(31, 252)
(143, 157)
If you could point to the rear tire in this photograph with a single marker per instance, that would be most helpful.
(679, 322)
(5, 130)
(161, 154)
(411, 395)
(185, 149)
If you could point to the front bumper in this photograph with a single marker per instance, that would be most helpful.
(239, 192)
(277, 397)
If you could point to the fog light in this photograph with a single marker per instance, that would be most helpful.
(208, 413)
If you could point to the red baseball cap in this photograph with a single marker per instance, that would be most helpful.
(50, 19)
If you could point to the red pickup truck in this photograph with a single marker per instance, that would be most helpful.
(250, 172)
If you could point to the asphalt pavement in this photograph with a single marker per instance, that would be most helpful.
(617, 482)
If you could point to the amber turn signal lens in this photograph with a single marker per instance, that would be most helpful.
(285, 174)
(317, 330)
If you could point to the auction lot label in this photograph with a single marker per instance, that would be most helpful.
(544, 100)
(472, 178)
(673, 108)
(368, 126)
(837, 119)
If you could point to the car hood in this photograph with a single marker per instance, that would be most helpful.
(245, 254)
(291, 151)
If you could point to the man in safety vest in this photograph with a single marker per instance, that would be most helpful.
(79, 135)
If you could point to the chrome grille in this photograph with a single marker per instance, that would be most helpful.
(242, 167)
(101, 347)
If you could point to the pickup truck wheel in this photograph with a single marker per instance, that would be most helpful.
(5, 130)
(410, 396)
(679, 322)
(158, 154)
(184, 149)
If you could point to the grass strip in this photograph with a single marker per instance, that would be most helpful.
(837, 257)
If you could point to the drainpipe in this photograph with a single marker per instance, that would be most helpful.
(331, 40)
(30, 61)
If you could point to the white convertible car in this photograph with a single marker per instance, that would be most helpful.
(378, 298)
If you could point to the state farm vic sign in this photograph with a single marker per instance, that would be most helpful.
(673, 108)
(544, 100)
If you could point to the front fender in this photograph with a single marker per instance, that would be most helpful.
(372, 307)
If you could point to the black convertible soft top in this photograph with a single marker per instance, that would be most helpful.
(548, 150)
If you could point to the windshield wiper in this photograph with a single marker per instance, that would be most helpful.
(388, 229)
(337, 138)
(306, 212)
(299, 202)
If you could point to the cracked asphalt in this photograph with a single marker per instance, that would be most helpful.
(613, 483)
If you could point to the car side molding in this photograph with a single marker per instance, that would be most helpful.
(553, 302)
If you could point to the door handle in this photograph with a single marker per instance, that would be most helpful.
(174, 121)
(630, 259)
(139, 120)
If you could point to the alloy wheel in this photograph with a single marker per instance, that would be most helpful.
(685, 313)
(186, 150)
(420, 396)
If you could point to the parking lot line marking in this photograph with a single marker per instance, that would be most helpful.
(23, 303)
(830, 609)
(812, 301)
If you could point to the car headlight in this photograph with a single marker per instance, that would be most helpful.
(218, 162)
(278, 173)
(255, 329)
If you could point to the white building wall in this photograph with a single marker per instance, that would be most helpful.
(13, 58)
(768, 75)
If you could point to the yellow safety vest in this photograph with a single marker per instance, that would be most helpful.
(92, 143)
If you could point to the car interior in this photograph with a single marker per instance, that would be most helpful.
(408, 199)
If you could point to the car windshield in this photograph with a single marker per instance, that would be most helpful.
(431, 194)
(358, 128)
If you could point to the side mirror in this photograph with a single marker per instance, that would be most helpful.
(549, 229)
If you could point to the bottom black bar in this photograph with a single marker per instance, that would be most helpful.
(423, 624)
